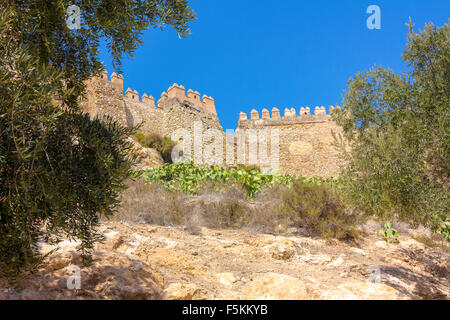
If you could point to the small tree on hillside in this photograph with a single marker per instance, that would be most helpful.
(398, 129)
(59, 169)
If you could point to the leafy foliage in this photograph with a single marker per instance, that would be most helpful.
(444, 230)
(60, 170)
(228, 208)
(389, 234)
(164, 145)
(312, 203)
(397, 128)
(269, 211)
(42, 26)
(190, 178)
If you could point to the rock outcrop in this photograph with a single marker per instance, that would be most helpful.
(140, 261)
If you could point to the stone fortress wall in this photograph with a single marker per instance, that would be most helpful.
(173, 110)
(305, 140)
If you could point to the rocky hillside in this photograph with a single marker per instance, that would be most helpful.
(140, 261)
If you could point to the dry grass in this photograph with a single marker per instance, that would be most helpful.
(215, 208)
(151, 203)
(267, 216)
(226, 208)
(272, 211)
(429, 242)
(317, 209)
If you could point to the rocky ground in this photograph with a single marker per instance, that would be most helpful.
(140, 261)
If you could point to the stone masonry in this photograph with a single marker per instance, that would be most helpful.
(305, 140)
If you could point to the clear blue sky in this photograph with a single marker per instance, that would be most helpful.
(270, 53)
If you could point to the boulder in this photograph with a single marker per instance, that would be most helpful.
(181, 291)
(282, 249)
(227, 279)
(273, 286)
(361, 291)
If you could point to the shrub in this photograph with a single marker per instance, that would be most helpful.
(141, 138)
(190, 178)
(319, 211)
(273, 210)
(164, 145)
(389, 234)
(444, 230)
(151, 203)
(247, 167)
(226, 209)
(266, 215)
(396, 135)
(59, 169)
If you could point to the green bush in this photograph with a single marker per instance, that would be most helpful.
(390, 235)
(219, 198)
(444, 230)
(247, 167)
(58, 168)
(317, 209)
(164, 145)
(141, 138)
(396, 135)
(190, 178)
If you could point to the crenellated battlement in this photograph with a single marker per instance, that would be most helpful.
(303, 138)
(116, 80)
(290, 117)
(179, 92)
(175, 91)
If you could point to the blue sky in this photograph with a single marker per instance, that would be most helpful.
(255, 54)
